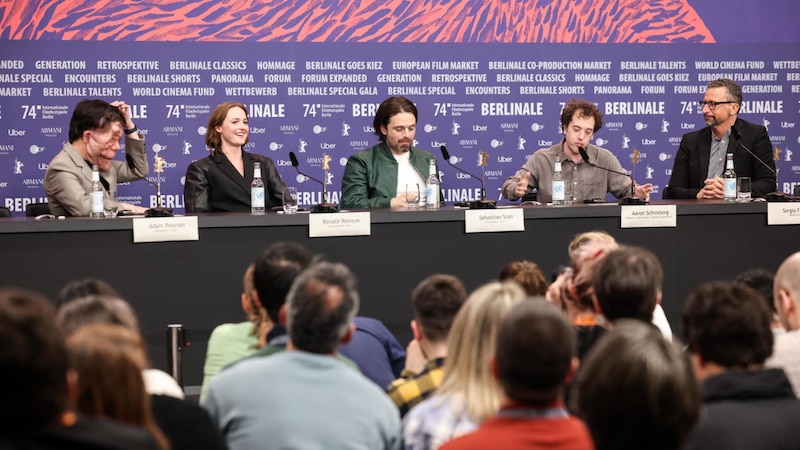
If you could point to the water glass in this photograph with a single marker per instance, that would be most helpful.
(743, 188)
(290, 200)
(412, 195)
(110, 204)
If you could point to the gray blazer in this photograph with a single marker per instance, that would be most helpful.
(68, 180)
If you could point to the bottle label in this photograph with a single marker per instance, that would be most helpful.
(730, 188)
(432, 195)
(97, 202)
(257, 197)
(558, 191)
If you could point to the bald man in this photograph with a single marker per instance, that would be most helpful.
(786, 291)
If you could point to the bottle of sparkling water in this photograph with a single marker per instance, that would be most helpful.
(432, 192)
(558, 187)
(96, 195)
(729, 179)
(257, 191)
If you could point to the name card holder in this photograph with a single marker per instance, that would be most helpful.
(649, 216)
(494, 220)
(783, 213)
(340, 224)
(163, 229)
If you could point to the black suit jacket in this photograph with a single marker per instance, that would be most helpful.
(691, 162)
(214, 185)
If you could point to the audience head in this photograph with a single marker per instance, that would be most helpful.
(728, 325)
(472, 340)
(109, 360)
(255, 313)
(535, 353)
(84, 287)
(275, 271)
(214, 137)
(578, 245)
(787, 292)
(321, 306)
(96, 309)
(635, 390)
(528, 275)
(436, 301)
(33, 361)
(627, 284)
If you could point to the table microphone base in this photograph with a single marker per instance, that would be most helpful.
(778, 197)
(483, 204)
(324, 208)
(158, 212)
(632, 201)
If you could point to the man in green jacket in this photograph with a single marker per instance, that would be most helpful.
(376, 177)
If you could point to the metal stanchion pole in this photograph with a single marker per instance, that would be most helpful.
(175, 343)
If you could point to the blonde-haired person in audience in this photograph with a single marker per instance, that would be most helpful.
(468, 394)
(109, 361)
(527, 274)
(231, 342)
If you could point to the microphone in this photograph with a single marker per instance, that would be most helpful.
(776, 196)
(483, 203)
(324, 207)
(628, 200)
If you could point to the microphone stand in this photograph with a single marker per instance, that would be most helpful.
(323, 207)
(627, 200)
(483, 203)
(776, 196)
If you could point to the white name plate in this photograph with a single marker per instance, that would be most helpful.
(162, 229)
(339, 224)
(494, 220)
(649, 216)
(783, 213)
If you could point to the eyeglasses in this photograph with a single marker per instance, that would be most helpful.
(712, 105)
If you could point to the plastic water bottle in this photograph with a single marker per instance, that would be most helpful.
(729, 180)
(432, 191)
(96, 195)
(257, 191)
(558, 187)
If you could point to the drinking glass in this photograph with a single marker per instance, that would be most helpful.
(290, 200)
(743, 189)
(412, 195)
(110, 204)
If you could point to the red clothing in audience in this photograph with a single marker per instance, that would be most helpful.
(524, 428)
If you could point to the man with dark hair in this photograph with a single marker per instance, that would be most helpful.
(635, 390)
(762, 280)
(786, 287)
(580, 120)
(36, 410)
(374, 351)
(700, 161)
(275, 271)
(436, 301)
(376, 177)
(94, 133)
(728, 335)
(627, 284)
(304, 397)
(534, 358)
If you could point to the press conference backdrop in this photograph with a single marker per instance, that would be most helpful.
(485, 76)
